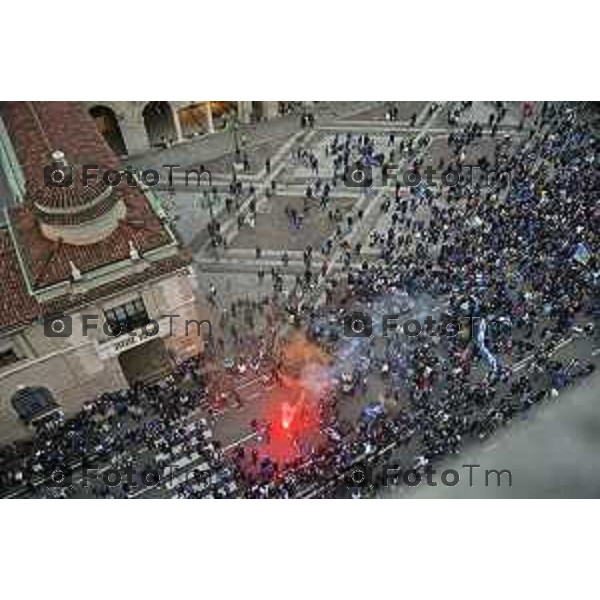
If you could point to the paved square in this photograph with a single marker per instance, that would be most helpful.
(288, 394)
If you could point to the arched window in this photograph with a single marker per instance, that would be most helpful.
(159, 123)
(257, 111)
(108, 125)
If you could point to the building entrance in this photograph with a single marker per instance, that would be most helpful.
(145, 362)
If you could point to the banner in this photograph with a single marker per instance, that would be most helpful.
(489, 358)
(582, 254)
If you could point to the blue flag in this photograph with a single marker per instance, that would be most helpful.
(582, 254)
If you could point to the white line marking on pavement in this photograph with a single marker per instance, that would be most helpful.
(243, 440)
(562, 344)
(521, 364)
(248, 383)
(141, 491)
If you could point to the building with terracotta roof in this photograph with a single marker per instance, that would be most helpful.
(74, 256)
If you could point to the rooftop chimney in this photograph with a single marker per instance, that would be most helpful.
(133, 251)
(58, 158)
(75, 272)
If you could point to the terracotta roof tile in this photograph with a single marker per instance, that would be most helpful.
(48, 261)
(17, 307)
(36, 129)
(161, 267)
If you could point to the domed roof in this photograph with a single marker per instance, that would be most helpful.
(47, 136)
(63, 199)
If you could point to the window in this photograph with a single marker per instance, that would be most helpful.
(127, 317)
(7, 357)
(35, 404)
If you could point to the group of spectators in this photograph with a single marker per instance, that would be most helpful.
(514, 245)
(138, 427)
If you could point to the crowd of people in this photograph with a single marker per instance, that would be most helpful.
(515, 245)
(129, 427)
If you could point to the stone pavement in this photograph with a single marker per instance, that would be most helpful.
(202, 149)
(480, 111)
(378, 113)
(273, 228)
(257, 155)
(272, 231)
